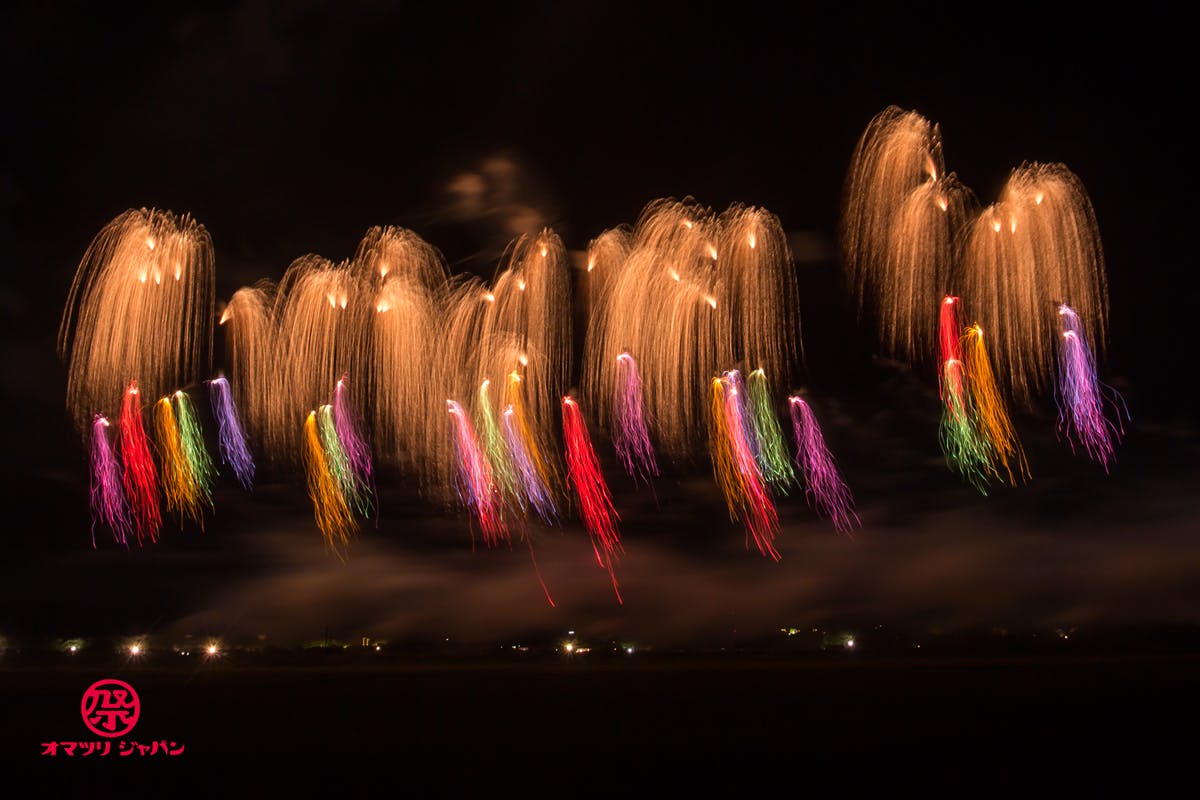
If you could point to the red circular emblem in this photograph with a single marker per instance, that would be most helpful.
(110, 707)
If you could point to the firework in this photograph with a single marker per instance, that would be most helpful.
(595, 501)
(991, 416)
(966, 452)
(901, 217)
(186, 490)
(107, 499)
(1039, 241)
(330, 510)
(348, 427)
(823, 483)
(234, 450)
(737, 472)
(140, 307)
(475, 483)
(532, 467)
(138, 474)
(630, 435)
(1080, 397)
(769, 449)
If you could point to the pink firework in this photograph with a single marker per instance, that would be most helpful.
(759, 514)
(1080, 398)
(823, 483)
(630, 432)
(107, 498)
(476, 486)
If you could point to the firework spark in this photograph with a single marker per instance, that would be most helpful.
(185, 490)
(966, 452)
(823, 482)
(595, 501)
(476, 485)
(991, 416)
(107, 499)
(140, 307)
(770, 451)
(630, 436)
(736, 471)
(1080, 397)
(330, 510)
(138, 474)
(230, 436)
(1039, 241)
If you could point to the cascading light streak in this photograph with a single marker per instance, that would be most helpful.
(595, 500)
(824, 486)
(232, 439)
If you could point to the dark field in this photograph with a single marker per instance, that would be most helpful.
(973, 726)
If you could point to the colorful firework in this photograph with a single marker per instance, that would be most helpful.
(966, 452)
(770, 451)
(231, 438)
(138, 473)
(736, 471)
(107, 502)
(1080, 395)
(901, 218)
(348, 426)
(595, 501)
(824, 486)
(991, 416)
(333, 515)
(1039, 241)
(630, 435)
(476, 486)
(140, 305)
(184, 490)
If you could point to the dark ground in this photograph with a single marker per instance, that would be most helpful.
(968, 726)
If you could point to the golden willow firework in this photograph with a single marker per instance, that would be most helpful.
(901, 218)
(694, 294)
(140, 308)
(1037, 247)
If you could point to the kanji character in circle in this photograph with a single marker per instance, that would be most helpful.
(110, 707)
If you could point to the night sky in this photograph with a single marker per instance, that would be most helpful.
(291, 130)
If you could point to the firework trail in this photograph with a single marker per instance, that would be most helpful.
(595, 501)
(737, 472)
(531, 467)
(770, 451)
(348, 426)
(966, 452)
(140, 305)
(630, 436)
(250, 352)
(901, 219)
(330, 510)
(139, 475)
(183, 489)
(356, 493)
(1079, 395)
(191, 436)
(476, 487)
(505, 473)
(1039, 241)
(991, 416)
(107, 498)
(234, 451)
(823, 482)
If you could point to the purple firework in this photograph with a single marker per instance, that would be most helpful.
(234, 451)
(1079, 397)
(823, 481)
(349, 431)
(534, 489)
(630, 435)
(107, 496)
